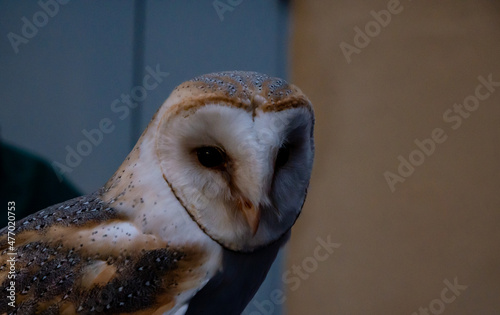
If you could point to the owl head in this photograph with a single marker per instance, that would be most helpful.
(236, 149)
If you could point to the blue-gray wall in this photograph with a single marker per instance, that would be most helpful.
(62, 77)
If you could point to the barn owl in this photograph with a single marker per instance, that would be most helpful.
(190, 222)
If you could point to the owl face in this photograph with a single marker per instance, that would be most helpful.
(236, 149)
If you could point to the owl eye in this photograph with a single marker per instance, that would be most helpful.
(282, 158)
(211, 157)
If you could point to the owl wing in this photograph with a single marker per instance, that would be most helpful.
(82, 256)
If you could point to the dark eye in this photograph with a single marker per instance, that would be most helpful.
(211, 156)
(282, 158)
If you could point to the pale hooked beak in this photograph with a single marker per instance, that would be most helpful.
(251, 214)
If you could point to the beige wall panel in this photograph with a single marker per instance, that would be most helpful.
(399, 248)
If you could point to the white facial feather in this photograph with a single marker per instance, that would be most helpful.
(249, 121)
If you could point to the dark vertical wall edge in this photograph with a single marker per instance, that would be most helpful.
(138, 65)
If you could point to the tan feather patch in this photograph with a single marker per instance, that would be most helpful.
(59, 269)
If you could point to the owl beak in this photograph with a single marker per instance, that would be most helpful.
(251, 213)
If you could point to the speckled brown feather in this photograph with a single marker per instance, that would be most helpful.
(246, 90)
(56, 272)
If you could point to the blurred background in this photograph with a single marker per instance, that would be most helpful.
(403, 211)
